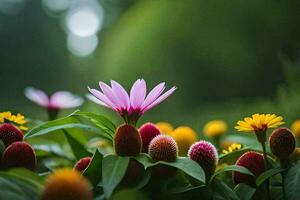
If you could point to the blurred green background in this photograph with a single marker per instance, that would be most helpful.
(228, 59)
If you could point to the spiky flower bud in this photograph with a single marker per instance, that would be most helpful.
(206, 155)
(148, 131)
(254, 162)
(67, 184)
(82, 164)
(282, 143)
(163, 148)
(19, 154)
(9, 134)
(127, 141)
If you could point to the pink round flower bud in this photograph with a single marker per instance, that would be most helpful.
(206, 155)
(148, 131)
(9, 134)
(19, 154)
(82, 164)
(254, 162)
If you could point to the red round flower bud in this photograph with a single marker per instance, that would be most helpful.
(163, 148)
(282, 143)
(148, 131)
(19, 154)
(127, 141)
(206, 155)
(82, 164)
(254, 162)
(9, 134)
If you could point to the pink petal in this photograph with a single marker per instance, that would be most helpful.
(108, 92)
(102, 98)
(160, 99)
(138, 93)
(153, 94)
(37, 96)
(121, 94)
(96, 100)
(65, 99)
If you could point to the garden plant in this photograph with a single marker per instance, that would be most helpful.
(86, 155)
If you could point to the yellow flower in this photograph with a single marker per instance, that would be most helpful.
(67, 184)
(232, 147)
(165, 127)
(215, 128)
(296, 128)
(17, 120)
(259, 123)
(184, 137)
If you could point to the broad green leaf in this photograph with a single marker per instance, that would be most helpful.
(94, 171)
(222, 191)
(267, 174)
(72, 121)
(292, 182)
(10, 190)
(187, 165)
(104, 123)
(78, 149)
(113, 170)
(244, 192)
(23, 182)
(229, 168)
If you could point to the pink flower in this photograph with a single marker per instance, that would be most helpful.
(57, 101)
(132, 106)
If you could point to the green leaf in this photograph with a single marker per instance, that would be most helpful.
(113, 170)
(187, 165)
(103, 126)
(236, 168)
(244, 192)
(78, 149)
(20, 181)
(183, 189)
(104, 123)
(292, 182)
(267, 174)
(94, 171)
(10, 190)
(222, 191)
(232, 156)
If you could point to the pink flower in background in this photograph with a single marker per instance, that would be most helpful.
(132, 106)
(57, 101)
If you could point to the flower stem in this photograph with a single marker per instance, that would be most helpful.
(283, 165)
(263, 144)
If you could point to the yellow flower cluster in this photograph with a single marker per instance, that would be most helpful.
(296, 128)
(259, 123)
(17, 120)
(183, 135)
(165, 127)
(215, 128)
(232, 147)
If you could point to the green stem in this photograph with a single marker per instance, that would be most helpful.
(283, 165)
(263, 144)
